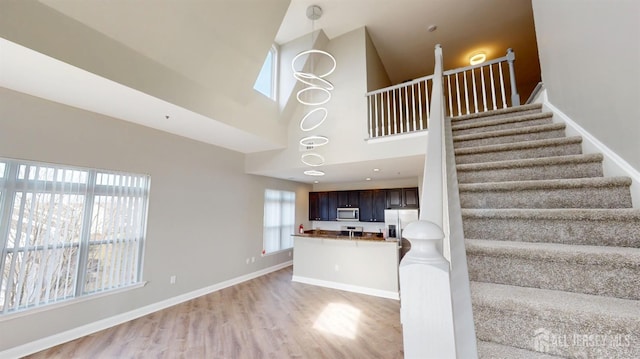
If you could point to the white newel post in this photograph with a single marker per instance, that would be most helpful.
(515, 97)
(425, 290)
(426, 314)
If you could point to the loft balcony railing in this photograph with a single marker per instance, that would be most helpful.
(405, 107)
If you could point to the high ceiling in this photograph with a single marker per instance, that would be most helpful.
(399, 30)
(186, 38)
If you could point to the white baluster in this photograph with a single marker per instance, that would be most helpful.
(484, 90)
(504, 99)
(458, 95)
(420, 103)
(406, 109)
(413, 105)
(493, 87)
(475, 91)
(376, 117)
(395, 112)
(466, 91)
(450, 101)
(388, 112)
(370, 117)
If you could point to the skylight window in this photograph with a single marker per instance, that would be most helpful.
(266, 81)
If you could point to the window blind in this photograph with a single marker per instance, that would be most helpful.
(279, 220)
(67, 232)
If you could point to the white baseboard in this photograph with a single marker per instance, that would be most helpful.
(84, 330)
(347, 287)
(613, 165)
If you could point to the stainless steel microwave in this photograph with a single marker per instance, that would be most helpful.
(348, 214)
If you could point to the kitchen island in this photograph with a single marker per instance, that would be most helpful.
(365, 264)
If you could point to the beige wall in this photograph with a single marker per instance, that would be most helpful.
(214, 79)
(377, 76)
(205, 213)
(590, 61)
(346, 125)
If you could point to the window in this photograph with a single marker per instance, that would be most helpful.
(266, 81)
(67, 232)
(279, 220)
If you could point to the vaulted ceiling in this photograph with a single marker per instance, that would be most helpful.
(191, 64)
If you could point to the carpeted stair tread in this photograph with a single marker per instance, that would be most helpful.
(509, 111)
(599, 227)
(584, 214)
(514, 315)
(556, 167)
(489, 350)
(604, 192)
(493, 124)
(553, 130)
(608, 271)
(520, 150)
(547, 184)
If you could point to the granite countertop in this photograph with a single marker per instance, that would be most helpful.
(320, 233)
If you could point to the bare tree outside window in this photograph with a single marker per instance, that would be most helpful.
(67, 232)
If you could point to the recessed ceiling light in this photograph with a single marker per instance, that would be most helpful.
(368, 178)
(432, 28)
(316, 181)
(376, 170)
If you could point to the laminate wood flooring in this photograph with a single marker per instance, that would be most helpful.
(267, 317)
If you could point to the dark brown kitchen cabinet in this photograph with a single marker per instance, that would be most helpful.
(403, 198)
(348, 199)
(372, 205)
(314, 206)
(332, 202)
(323, 206)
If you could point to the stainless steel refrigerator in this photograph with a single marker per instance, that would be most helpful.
(395, 220)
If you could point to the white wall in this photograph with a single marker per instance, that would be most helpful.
(590, 61)
(205, 214)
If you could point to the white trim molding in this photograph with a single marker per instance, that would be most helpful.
(613, 165)
(63, 337)
(347, 287)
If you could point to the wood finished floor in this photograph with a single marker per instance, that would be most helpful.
(267, 317)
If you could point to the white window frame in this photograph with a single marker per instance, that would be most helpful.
(274, 53)
(279, 220)
(104, 254)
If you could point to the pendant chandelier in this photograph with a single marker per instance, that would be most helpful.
(315, 93)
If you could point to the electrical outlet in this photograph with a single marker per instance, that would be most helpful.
(337, 268)
(289, 253)
(253, 259)
(247, 260)
(172, 279)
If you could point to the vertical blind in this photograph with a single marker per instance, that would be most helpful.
(279, 220)
(67, 232)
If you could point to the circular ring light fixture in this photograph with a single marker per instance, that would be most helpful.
(477, 58)
(311, 116)
(310, 53)
(316, 103)
(314, 141)
(312, 159)
(313, 173)
(308, 78)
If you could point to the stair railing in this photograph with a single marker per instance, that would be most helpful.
(405, 108)
(481, 87)
(435, 324)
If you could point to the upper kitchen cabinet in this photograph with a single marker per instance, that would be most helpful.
(323, 206)
(403, 198)
(372, 205)
(348, 199)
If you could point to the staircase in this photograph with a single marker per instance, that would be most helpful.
(553, 247)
